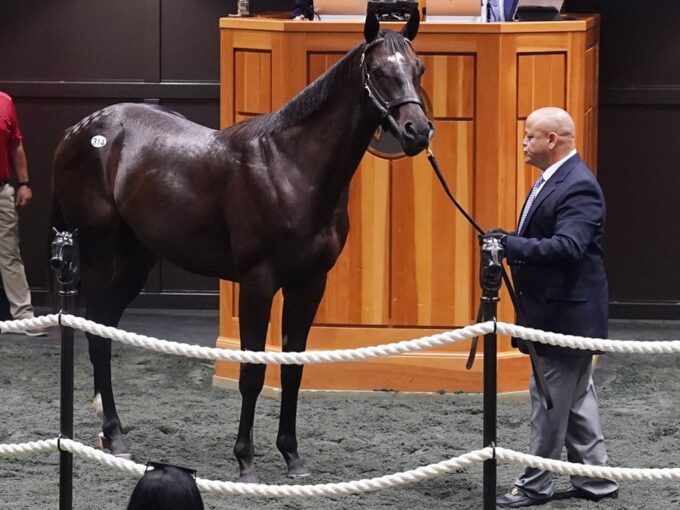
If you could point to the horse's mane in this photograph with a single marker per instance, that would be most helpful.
(312, 98)
(395, 41)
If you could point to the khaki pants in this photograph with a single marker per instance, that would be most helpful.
(11, 266)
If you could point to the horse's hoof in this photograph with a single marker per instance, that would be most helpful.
(296, 469)
(248, 478)
(298, 474)
(98, 407)
(105, 444)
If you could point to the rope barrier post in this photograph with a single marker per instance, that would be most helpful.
(65, 262)
(491, 270)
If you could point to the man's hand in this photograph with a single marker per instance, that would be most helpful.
(497, 230)
(23, 196)
(497, 233)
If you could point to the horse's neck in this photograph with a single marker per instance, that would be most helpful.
(340, 127)
(344, 131)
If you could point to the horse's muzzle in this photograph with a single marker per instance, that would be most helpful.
(415, 137)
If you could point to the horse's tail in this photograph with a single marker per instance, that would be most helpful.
(57, 223)
(56, 218)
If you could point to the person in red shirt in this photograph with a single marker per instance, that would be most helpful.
(13, 158)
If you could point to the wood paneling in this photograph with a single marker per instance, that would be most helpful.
(590, 85)
(253, 82)
(450, 82)
(541, 82)
(589, 135)
(318, 63)
(433, 245)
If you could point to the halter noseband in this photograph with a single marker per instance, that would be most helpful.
(383, 105)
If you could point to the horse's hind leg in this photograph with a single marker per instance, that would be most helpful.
(299, 307)
(255, 300)
(112, 282)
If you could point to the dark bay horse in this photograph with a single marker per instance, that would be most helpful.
(262, 203)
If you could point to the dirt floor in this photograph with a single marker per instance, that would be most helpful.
(174, 414)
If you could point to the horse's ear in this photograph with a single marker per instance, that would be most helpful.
(410, 30)
(371, 27)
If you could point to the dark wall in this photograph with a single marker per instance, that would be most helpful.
(72, 57)
(639, 152)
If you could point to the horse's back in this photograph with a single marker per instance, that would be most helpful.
(104, 152)
(100, 135)
(151, 171)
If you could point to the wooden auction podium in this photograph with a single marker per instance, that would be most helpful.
(410, 265)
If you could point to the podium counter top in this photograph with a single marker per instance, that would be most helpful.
(578, 23)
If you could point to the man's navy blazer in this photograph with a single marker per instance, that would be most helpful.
(556, 259)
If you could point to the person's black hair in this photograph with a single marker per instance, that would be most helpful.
(166, 487)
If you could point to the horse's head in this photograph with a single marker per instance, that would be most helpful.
(392, 72)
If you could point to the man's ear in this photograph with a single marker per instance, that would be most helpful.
(410, 30)
(371, 27)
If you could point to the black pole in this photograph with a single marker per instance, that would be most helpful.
(490, 392)
(491, 270)
(66, 264)
(66, 414)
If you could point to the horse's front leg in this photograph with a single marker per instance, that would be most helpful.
(255, 301)
(299, 307)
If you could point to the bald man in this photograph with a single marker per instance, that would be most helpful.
(556, 260)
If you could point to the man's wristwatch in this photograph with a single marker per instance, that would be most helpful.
(24, 183)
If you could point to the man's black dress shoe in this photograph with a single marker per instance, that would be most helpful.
(575, 492)
(518, 499)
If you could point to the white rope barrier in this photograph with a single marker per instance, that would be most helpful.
(568, 468)
(21, 325)
(593, 344)
(342, 355)
(354, 487)
(214, 353)
(27, 449)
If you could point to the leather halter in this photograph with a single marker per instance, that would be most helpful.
(383, 105)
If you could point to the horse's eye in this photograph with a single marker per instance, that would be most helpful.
(420, 69)
(378, 72)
